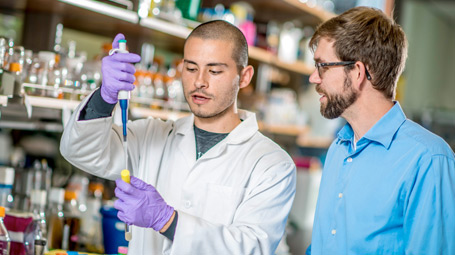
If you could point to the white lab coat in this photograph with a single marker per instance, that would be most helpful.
(235, 199)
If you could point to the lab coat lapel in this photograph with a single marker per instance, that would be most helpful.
(185, 139)
(240, 134)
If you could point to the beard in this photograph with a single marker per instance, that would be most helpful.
(338, 103)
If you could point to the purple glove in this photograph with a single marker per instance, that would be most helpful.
(118, 72)
(140, 204)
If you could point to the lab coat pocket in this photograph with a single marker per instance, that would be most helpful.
(221, 203)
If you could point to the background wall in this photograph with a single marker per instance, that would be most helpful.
(430, 69)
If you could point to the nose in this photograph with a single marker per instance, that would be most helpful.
(314, 77)
(201, 80)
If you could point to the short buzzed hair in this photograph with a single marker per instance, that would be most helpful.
(225, 31)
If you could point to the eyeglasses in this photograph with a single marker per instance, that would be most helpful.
(342, 63)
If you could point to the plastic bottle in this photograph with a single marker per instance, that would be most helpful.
(6, 186)
(189, 8)
(5, 241)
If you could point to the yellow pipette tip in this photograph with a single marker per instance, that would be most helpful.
(125, 174)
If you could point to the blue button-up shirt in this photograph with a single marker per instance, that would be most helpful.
(392, 194)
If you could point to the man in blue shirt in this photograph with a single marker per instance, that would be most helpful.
(388, 184)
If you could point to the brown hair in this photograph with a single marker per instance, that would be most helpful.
(222, 30)
(366, 34)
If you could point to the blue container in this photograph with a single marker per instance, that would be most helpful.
(113, 230)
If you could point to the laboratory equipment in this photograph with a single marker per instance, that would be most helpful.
(39, 247)
(123, 96)
(56, 218)
(113, 230)
(38, 228)
(91, 219)
(6, 186)
(72, 221)
(125, 174)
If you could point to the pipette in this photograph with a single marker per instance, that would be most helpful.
(125, 174)
(124, 96)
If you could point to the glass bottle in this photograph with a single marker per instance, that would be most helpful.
(5, 241)
(39, 226)
(16, 63)
(91, 221)
(56, 218)
(72, 221)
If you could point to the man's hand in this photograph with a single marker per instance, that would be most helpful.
(118, 72)
(141, 205)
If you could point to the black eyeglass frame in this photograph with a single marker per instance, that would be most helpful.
(342, 63)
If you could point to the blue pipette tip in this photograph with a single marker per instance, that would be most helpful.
(124, 107)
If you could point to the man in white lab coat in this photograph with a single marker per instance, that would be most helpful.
(209, 183)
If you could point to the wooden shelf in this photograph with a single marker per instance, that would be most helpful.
(267, 57)
(315, 11)
(281, 11)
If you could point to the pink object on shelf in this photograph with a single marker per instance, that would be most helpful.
(122, 250)
(248, 29)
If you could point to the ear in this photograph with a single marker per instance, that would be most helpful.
(360, 74)
(245, 76)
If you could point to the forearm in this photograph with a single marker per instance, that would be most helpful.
(96, 108)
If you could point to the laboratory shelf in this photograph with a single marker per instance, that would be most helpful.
(167, 34)
(33, 108)
(105, 9)
(264, 56)
(313, 10)
(167, 27)
(52, 103)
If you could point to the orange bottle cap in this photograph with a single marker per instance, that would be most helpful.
(70, 194)
(14, 67)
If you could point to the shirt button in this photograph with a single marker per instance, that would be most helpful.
(334, 231)
(187, 204)
(349, 159)
(340, 195)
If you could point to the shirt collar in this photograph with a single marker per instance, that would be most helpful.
(383, 131)
(246, 129)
